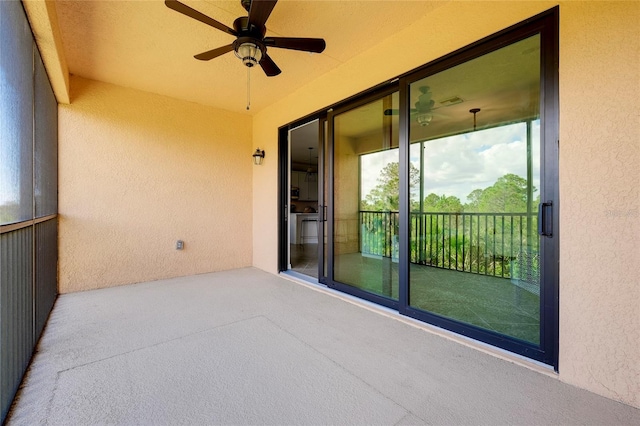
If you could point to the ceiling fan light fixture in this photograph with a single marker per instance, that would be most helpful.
(250, 53)
(424, 119)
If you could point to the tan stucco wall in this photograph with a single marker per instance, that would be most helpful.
(139, 171)
(600, 198)
(599, 166)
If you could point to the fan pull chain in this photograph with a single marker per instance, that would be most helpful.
(248, 87)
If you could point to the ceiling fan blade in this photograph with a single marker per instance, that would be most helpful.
(206, 56)
(316, 45)
(259, 12)
(390, 111)
(192, 13)
(268, 66)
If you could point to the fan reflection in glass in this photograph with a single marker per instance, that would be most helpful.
(310, 176)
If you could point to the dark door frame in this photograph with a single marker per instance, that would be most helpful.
(370, 96)
(546, 25)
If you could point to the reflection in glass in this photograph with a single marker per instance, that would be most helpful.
(366, 197)
(475, 145)
(16, 115)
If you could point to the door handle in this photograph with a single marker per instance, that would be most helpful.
(322, 213)
(545, 219)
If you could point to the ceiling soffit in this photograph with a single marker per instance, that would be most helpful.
(146, 46)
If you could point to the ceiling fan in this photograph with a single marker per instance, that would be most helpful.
(250, 44)
(423, 107)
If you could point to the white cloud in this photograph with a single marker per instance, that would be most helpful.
(457, 165)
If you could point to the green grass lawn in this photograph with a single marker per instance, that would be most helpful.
(488, 302)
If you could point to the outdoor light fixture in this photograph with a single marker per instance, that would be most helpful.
(258, 156)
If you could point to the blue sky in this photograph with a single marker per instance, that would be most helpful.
(456, 165)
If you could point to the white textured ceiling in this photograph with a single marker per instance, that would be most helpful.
(147, 46)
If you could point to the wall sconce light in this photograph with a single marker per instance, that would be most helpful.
(258, 156)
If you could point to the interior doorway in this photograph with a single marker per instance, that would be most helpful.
(303, 199)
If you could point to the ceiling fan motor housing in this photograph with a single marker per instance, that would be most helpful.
(248, 46)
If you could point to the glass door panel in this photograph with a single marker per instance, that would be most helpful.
(366, 197)
(474, 133)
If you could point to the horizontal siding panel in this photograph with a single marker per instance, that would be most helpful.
(46, 287)
(16, 311)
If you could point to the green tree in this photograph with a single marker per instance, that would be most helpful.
(386, 194)
(473, 205)
(442, 204)
(507, 195)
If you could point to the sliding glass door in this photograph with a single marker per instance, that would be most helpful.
(439, 192)
(475, 249)
(365, 188)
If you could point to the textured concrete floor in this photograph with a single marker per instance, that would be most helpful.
(247, 347)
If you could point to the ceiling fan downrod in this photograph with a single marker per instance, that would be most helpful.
(246, 4)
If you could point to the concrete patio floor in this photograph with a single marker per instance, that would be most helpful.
(248, 347)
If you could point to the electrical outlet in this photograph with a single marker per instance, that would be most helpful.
(179, 245)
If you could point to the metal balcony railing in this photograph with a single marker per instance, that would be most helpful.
(496, 244)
